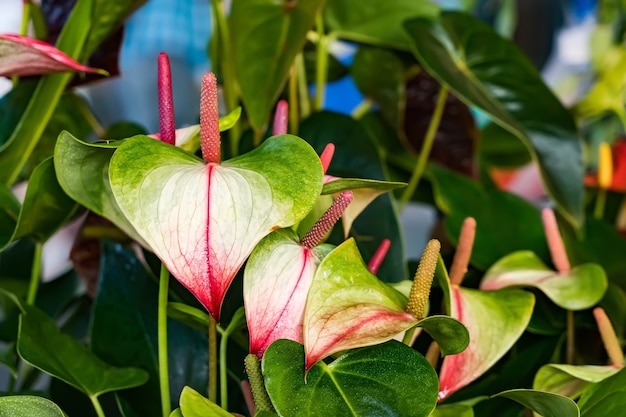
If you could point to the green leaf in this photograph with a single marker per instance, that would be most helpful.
(266, 37)
(581, 288)
(29, 406)
(379, 220)
(192, 404)
(177, 413)
(605, 398)
(504, 222)
(8, 358)
(375, 22)
(83, 172)
(453, 410)
(500, 148)
(383, 380)
(348, 307)
(492, 74)
(41, 344)
(167, 194)
(46, 207)
(450, 334)
(570, 380)
(495, 320)
(9, 212)
(545, 403)
(191, 316)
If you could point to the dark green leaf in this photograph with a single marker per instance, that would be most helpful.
(450, 334)
(41, 344)
(383, 380)
(266, 36)
(500, 148)
(606, 398)
(9, 212)
(28, 406)
(453, 410)
(489, 72)
(8, 358)
(544, 403)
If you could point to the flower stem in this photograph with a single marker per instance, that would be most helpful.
(293, 100)
(427, 145)
(362, 108)
(322, 64)
(164, 383)
(96, 405)
(379, 256)
(35, 274)
(212, 359)
(223, 371)
(598, 209)
(303, 89)
(570, 350)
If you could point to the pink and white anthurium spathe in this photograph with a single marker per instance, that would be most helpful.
(203, 218)
(21, 56)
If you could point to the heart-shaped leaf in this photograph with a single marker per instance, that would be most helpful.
(42, 345)
(277, 278)
(581, 288)
(546, 404)
(29, 406)
(491, 73)
(204, 220)
(192, 404)
(266, 36)
(348, 307)
(391, 379)
(451, 335)
(605, 398)
(495, 320)
(570, 380)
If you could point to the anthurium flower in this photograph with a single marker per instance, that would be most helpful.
(203, 218)
(21, 55)
(278, 276)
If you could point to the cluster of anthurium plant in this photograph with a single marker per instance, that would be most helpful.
(290, 293)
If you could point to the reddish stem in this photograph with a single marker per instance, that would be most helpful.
(209, 120)
(379, 256)
(327, 156)
(555, 243)
(327, 221)
(463, 251)
(280, 118)
(167, 123)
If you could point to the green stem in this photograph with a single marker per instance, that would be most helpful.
(212, 359)
(303, 88)
(322, 64)
(91, 118)
(293, 101)
(35, 274)
(162, 341)
(223, 371)
(427, 145)
(363, 107)
(25, 18)
(598, 210)
(570, 348)
(96, 405)
(408, 336)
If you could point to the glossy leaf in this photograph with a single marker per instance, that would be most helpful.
(500, 148)
(192, 404)
(348, 307)
(490, 73)
(266, 37)
(504, 222)
(277, 278)
(46, 207)
(29, 406)
(450, 334)
(384, 380)
(83, 172)
(41, 344)
(495, 320)
(21, 56)
(204, 220)
(544, 403)
(605, 398)
(453, 410)
(377, 22)
(570, 380)
(581, 288)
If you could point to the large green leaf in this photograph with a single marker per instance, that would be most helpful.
(348, 307)
(375, 22)
(29, 406)
(46, 207)
(453, 410)
(491, 73)
(192, 404)
(579, 289)
(379, 220)
(606, 398)
(124, 331)
(544, 403)
(204, 220)
(266, 37)
(504, 222)
(9, 212)
(384, 380)
(41, 344)
(495, 320)
(570, 380)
